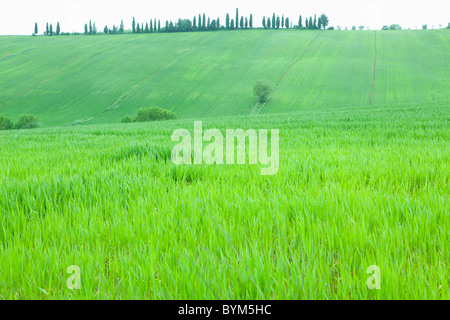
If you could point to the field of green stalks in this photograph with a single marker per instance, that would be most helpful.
(357, 186)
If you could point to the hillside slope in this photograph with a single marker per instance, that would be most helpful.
(97, 79)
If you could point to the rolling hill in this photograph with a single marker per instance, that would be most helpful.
(97, 79)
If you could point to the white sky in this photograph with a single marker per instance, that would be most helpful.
(19, 16)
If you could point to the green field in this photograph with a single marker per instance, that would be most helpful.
(363, 178)
(67, 80)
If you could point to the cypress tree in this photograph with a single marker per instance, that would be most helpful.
(274, 21)
(264, 22)
(105, 29)
(85, 28)
(218, 23)
(282, 22)
(36, 28)
(278, 22)
(237, 17)
(51, 29)
(199, 22)
(306, 24)
(133, 24)
(310, 23)
(204, 22)
(232, 24)
(122, 27)
(246, 23)
(227, 21)
(300, 25)
(209, 24)
(90, 27)
(194, 23)
(58, 29)
(241, 24)
(251, 21)
(159, 25)
(47, 30)
(315, 22)
(269, 25)
(286, 23)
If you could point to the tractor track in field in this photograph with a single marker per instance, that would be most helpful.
(373, 69)
(125, 95)
(256, 109)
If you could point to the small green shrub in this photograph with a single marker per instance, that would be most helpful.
(5, 123)
(154, 114)
(262, 90)
(27, 121)
(127, 119)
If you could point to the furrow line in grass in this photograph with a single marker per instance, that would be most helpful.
(256, 109)
(128, 93)
(373, 69)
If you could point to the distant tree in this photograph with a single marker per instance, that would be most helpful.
(262, 90)
(154, 114)
(241, 24)
(194, 23)
(138, 28)
(6, 123)
(159, 25)
(251, 21)
(218, 23)
(47, 30)
(286, 22)
(385, 28)
(36, 30)
(133, 25)
(204, 22)
(232, 24)
(269, 24)
(51, 29)
(300, 25)
(315, 22)
(278, 22)
(27, 121)
(227, 21)
(90, 27)
(330, 28)
(264, 22)
(361, 28)
(282, 21)
(105, 29)
(424, 27)
(126, 119)
(237, 17)
(209, 23)
(58, 29)
(199, 22)
(324, 20)
(246, 23)
(395, 27)
(147, 29)
(274, 21)
(311, 26)
(122, 27)
(448, 25)
(353, 27)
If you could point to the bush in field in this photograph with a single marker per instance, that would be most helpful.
(154, 114)
(262, 90)
(27, 121)
(5, 123)
(127, 119)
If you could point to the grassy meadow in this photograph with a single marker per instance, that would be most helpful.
(363, 178)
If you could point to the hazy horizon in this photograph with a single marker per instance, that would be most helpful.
(18, 18)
